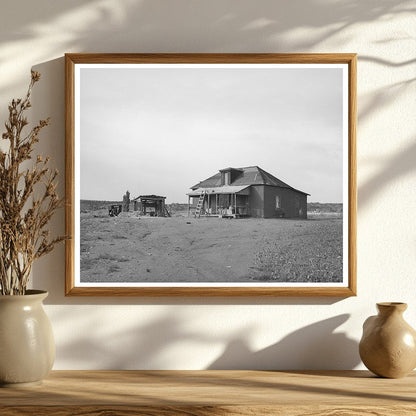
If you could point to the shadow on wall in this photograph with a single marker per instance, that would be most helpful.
(397, 166)
(142, 347)
(196, 26)
(153, 344)
(314, 347)
(241, 27)
(382, 97)
(48, 99)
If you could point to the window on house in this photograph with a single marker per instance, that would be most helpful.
(227, 178)
(278, 202)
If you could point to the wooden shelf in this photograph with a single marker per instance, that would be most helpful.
(203, 393)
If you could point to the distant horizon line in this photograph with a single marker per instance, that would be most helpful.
(120, 200)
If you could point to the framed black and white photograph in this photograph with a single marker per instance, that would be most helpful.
(211, 174)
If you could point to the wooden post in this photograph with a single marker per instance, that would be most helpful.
(208, 204)
(189, 205)
(235, 204)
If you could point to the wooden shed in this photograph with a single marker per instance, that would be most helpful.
(153, 205)
(246, 192)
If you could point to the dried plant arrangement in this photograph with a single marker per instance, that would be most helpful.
(28, 198)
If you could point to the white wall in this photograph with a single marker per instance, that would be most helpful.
(198, 333)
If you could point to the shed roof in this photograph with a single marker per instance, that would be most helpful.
(154, 197)
(251, 175)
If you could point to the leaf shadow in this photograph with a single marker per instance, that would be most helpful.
(399, 165)
(313, 347)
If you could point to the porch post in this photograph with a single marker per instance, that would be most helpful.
(189, 205)
(208, 205)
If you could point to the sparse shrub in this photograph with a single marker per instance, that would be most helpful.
(28, 199)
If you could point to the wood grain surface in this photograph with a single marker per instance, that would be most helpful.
(203, 393)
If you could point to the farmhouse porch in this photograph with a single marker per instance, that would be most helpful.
(224, 201)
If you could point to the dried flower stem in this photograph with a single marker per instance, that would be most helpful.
(23, 217)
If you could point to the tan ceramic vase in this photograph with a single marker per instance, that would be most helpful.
(388, 344)
(27, 347)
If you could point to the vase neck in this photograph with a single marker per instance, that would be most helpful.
(390, 308)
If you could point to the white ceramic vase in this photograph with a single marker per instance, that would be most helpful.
(27, 347)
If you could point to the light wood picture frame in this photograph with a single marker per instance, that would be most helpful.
(210, 174)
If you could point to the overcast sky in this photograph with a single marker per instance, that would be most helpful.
(162, 130)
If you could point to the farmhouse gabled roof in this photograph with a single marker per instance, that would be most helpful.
(251, 175)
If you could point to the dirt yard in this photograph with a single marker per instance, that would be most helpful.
(129, 248)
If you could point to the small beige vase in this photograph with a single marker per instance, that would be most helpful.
(388, 345)
(27, 347)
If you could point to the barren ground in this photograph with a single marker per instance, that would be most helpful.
(129, 248)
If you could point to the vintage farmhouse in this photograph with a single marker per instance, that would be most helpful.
(246, 192)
